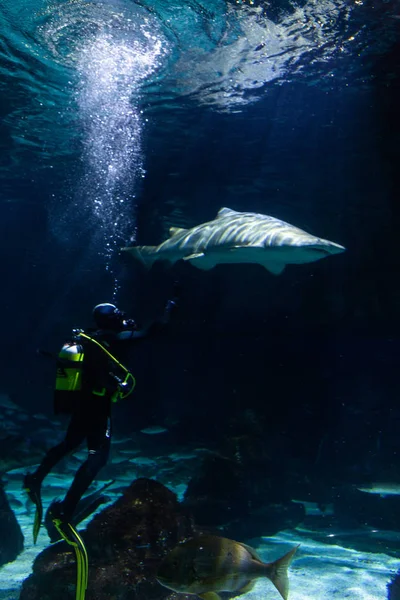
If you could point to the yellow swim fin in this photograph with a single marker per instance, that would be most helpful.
(72, 537)
(32, 488)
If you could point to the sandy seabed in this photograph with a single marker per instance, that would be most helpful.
(320, 571)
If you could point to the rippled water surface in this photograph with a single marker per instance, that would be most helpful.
(80, 78)
(224, 54)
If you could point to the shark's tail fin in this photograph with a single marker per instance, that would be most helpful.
(146, 254)
(277, 572)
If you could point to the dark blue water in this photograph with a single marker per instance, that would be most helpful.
(120, 119)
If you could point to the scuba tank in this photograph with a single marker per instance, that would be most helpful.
(68, 377)
(69, 367)
(70, 373)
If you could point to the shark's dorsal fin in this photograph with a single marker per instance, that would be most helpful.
(225, 212)
(174, 230)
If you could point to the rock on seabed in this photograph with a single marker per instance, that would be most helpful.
(125, 544)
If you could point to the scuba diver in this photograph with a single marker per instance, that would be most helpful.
(89, 379)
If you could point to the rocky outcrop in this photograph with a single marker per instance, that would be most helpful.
(242, 496)
(11, 537)
(125, 544)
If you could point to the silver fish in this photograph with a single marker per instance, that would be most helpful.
(383, 488)
(239, 237)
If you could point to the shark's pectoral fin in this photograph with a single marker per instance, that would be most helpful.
(200, 260)
(194, 256)
(210, 596)
(274, 268)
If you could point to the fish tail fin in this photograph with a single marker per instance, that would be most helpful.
(277, 572)
(145, 254)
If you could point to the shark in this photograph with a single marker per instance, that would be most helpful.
(238, 237)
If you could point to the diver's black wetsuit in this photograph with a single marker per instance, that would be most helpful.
(91, 417)
(91, 411)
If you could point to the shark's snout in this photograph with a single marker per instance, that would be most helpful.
(326, 248)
